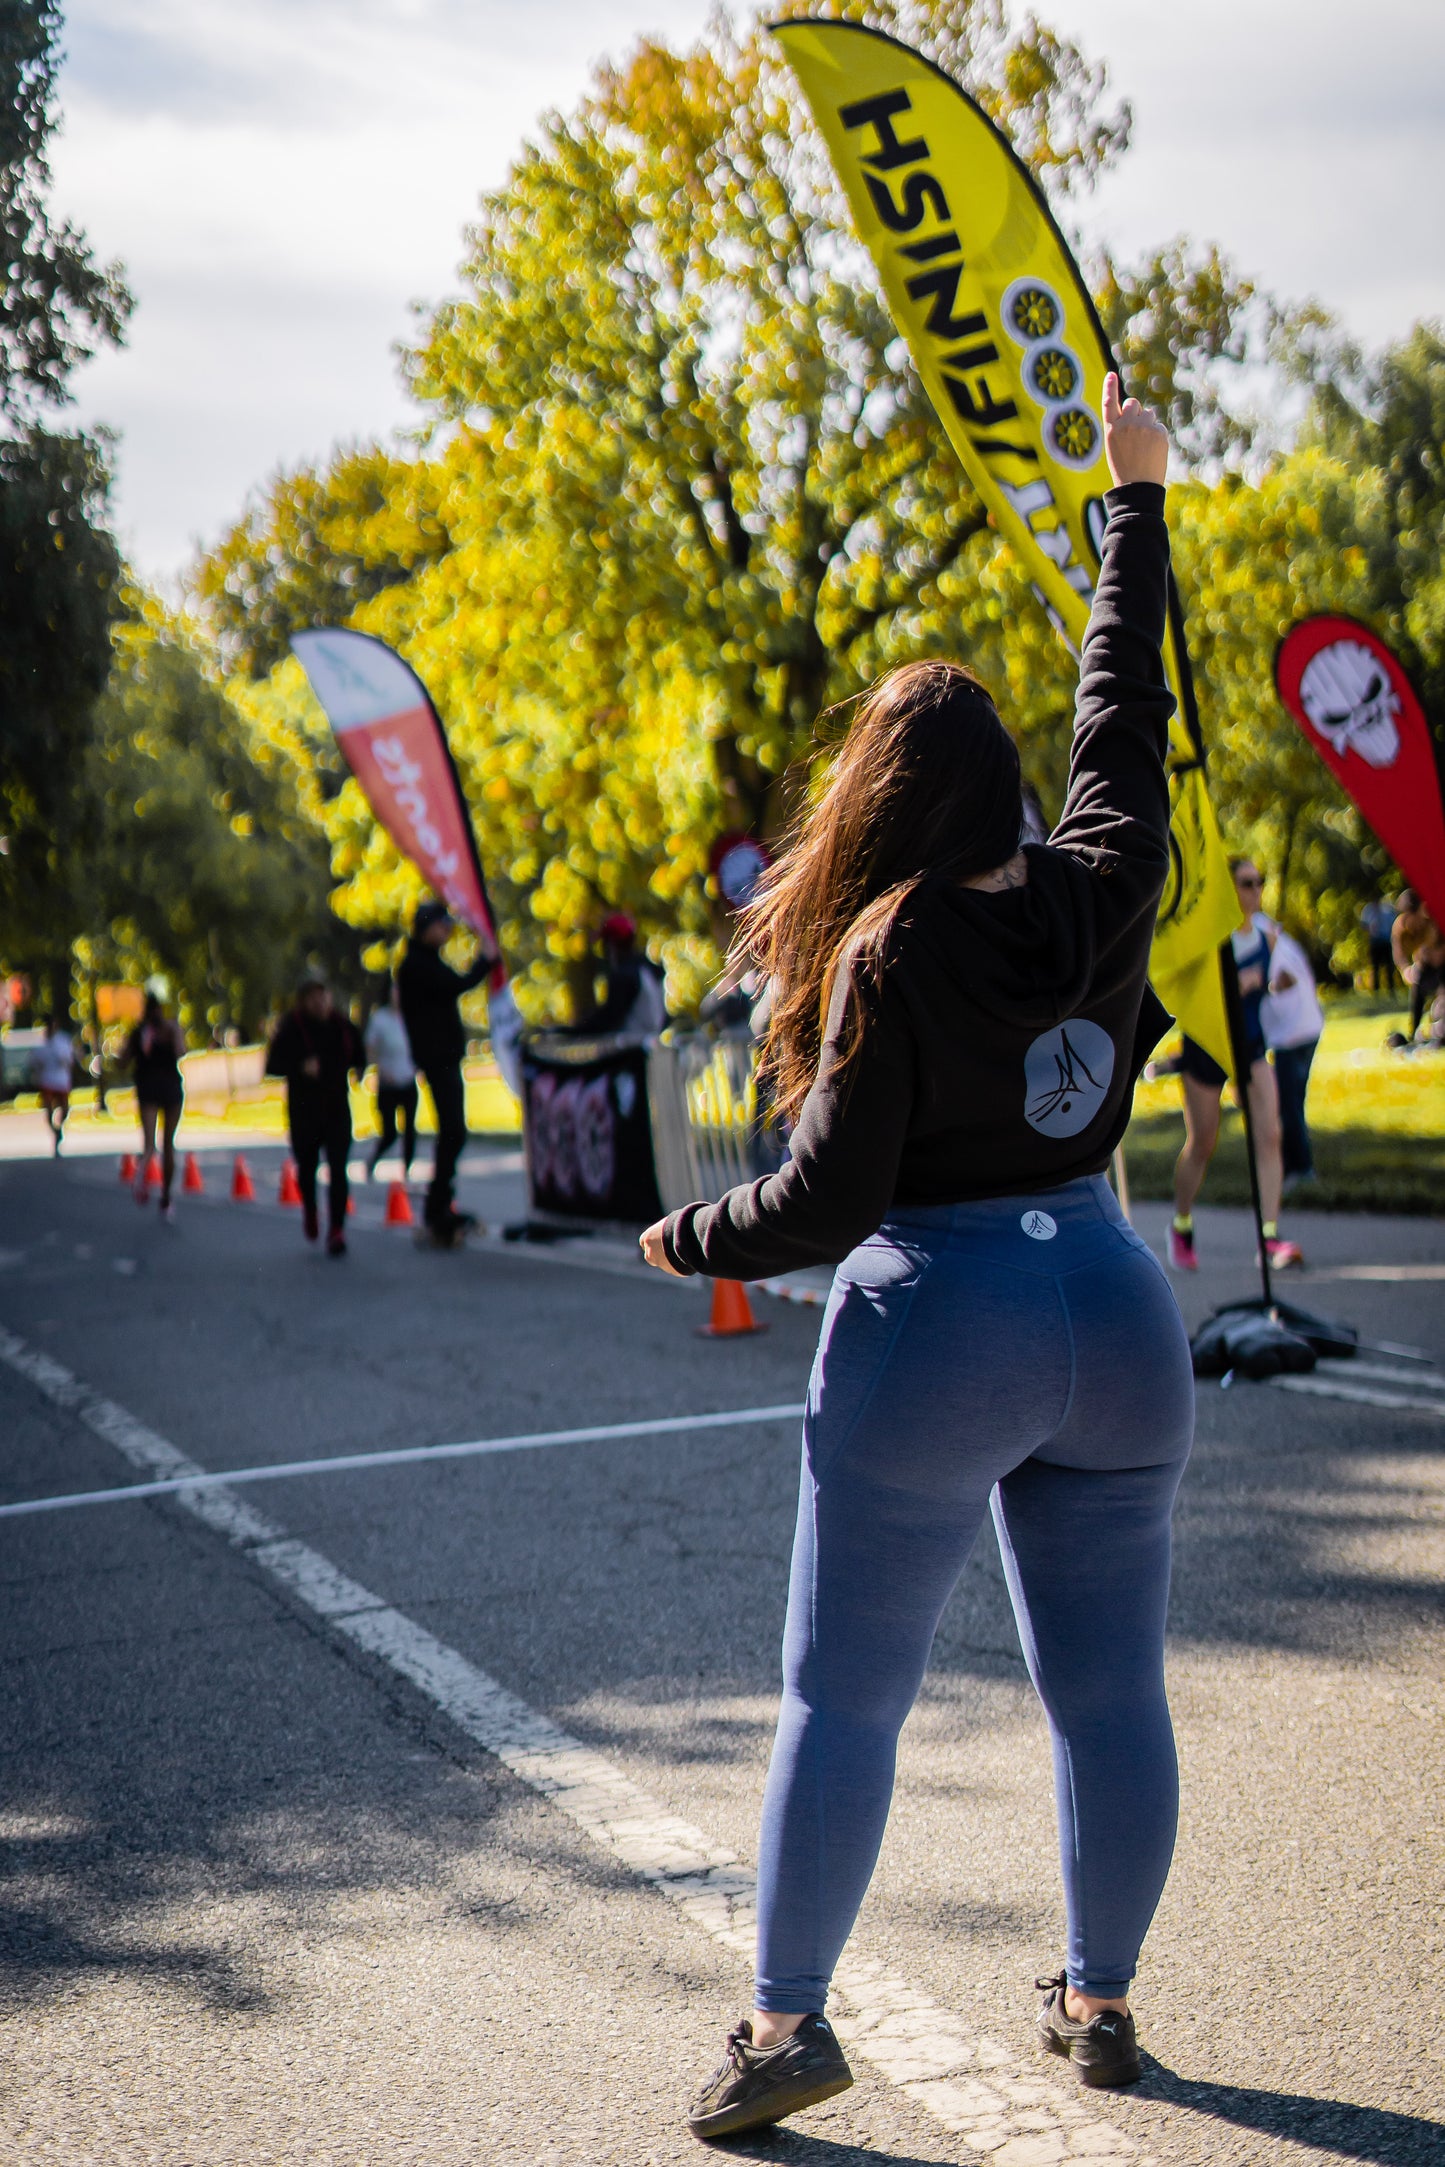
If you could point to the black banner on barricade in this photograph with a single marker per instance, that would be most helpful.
(589, 1130)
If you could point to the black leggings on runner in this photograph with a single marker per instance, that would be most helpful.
(391, 1100)
(330, 1134)
(449, 1098)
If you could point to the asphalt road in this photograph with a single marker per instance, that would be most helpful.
(268, 1898)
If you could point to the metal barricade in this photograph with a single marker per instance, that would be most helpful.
(708, 1128)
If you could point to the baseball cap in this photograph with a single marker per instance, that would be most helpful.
(429, 914)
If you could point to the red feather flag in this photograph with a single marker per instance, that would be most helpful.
(1350, 695)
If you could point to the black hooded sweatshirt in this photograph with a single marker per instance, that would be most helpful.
(430, 990)
(1001, 1041)
(334, 1043)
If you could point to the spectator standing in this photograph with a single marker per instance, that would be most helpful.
(635, 1002)
(429, 991)
(52, 1070)
(1419, 953)
(1293, 1020)
(1378, 920)
(153, 1054)
(1204, 1080)
(316, 1048)
(389, 1049)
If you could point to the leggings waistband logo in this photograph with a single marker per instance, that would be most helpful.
(1039, 1226)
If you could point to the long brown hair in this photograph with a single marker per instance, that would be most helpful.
(926, 782)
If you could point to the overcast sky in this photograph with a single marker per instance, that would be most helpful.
(283, 178)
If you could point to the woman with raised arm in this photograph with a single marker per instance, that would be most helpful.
(957, 1026)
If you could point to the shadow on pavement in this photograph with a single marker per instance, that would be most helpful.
(40, 1951)
(1329, 2125)
(796, 2145)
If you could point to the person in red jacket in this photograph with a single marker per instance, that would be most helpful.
(317, 1049)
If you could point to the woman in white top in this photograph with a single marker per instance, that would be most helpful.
(389, 1048)
(52, 1069)
(1292, 1020)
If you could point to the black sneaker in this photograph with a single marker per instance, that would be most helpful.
(758, 2085)
(1103, 2053)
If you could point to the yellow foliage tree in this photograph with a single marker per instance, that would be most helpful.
(686, 490)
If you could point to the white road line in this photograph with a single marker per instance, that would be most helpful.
(985, 2093)
(403, 1455)
(811, 1297)
(1363, 1395)
(1423, 1379)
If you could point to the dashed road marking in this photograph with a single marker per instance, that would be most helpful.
(1364, 1395)
(1424, 1379)
(997, 2102)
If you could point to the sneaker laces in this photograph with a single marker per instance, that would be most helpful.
(1044, 1985)
(735, 2061)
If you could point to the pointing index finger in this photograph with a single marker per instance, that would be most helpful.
(1112, 408)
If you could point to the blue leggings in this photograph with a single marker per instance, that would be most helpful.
(963, 1355)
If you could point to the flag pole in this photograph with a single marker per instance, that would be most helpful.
(1234, 1009)
(1228, 969)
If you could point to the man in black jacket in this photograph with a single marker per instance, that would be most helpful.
(429, 991)
(316, 1048)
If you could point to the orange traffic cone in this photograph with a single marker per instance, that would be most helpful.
(398, 1206)
(290, 1189)
(732, 1312)
(153, 1172)
(243, 1189)
(191, 1182)
(127, 1166)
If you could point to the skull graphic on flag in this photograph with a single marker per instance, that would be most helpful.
(1348, 697)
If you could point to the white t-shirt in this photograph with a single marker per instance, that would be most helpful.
(648, 1013)
(53, 1062)
(389, 1047)
(1293, 1015)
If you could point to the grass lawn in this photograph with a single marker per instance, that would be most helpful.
(1377, 1119)
(491, 1108)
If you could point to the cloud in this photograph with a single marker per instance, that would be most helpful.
(329, 63)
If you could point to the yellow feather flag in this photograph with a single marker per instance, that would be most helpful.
(1005, 336)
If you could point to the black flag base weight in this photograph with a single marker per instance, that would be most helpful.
(1262, 1336)
(1259, 1338)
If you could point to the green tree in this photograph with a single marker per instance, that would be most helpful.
(58, 597)
(195, 856)
(56, 304)
(1391, 422)
(59, 571)
(1354, 519)
(313, 548)
(690, 489)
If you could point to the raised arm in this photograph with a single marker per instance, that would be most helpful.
(1116, 813)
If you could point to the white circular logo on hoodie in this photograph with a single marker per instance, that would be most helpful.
(1067, 1072)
